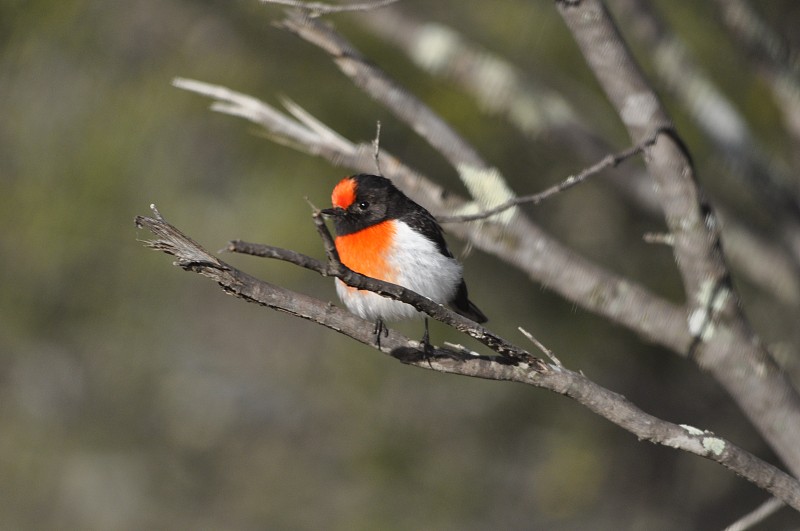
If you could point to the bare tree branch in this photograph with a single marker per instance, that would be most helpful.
(724, 341)
(612, 406)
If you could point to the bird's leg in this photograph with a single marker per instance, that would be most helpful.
(426, 343)
(379, 327)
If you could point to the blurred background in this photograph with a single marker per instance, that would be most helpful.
(136, 396)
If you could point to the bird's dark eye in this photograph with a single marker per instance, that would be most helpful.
(363, 205)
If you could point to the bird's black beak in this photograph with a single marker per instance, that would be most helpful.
(336, 211)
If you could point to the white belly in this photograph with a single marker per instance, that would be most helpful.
(419, 266)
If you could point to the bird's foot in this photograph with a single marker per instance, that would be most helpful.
(379, 328)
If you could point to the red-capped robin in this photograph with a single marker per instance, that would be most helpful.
(383, 234)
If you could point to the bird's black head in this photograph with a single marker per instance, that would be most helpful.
(363, 200)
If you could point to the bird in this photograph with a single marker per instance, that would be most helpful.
(383, 234)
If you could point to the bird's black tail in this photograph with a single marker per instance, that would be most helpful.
(462, 305)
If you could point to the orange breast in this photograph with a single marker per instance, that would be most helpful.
(366, 251)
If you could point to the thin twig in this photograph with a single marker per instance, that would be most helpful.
(334, 264)
(609, 161)
(376, 144)
(268, 251)
(540, 346)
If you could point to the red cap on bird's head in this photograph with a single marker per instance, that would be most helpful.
(344, 193)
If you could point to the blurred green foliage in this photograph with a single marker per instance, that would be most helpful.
(135, 396)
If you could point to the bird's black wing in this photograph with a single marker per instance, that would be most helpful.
(424, 222)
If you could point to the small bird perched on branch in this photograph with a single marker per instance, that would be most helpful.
(383, 234)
